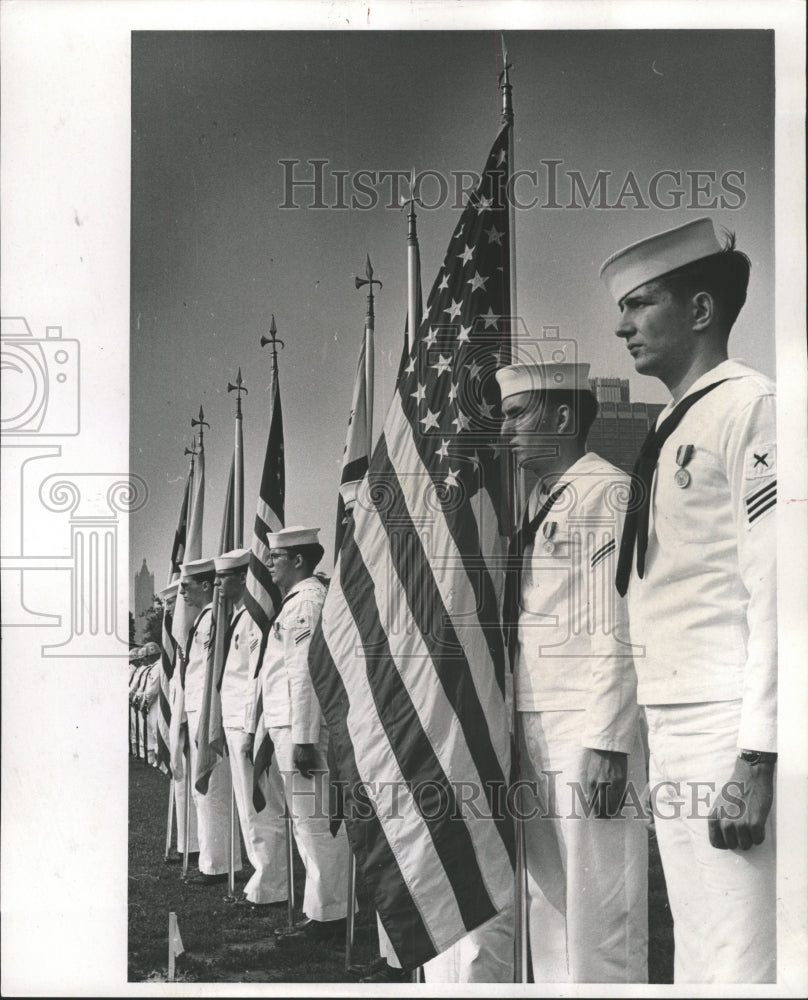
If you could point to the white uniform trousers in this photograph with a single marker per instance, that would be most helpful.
(722, 902)
(587, 878)
(485, 955)
(264, 832)
(386, 949)
(151, 723)
(324, 857)
(213, 813)
(179, 807)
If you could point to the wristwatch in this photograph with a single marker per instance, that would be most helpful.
(758, 756)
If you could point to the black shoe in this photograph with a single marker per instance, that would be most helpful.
(260, 909)
(360, 971)
(312, 930)
(177, 859)
(387, 974)
(202, 879)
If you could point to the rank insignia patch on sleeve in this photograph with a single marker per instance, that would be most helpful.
(760, 500)
(761, 461)
(603, 552)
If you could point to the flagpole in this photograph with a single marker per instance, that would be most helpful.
(238, 479)
(145, 712)
(194, 547)
(238, 540)
(187, 505)
(170, 821)
(137, 732)
(188, 792)
(274, 340)
(521, 937)
(413, 319)
(370, 281)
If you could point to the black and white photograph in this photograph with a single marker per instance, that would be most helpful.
(378, 615)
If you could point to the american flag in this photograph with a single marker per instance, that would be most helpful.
(409, 659)
(262, 598)
(168, 655)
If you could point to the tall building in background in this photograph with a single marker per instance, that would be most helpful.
(144, 597)
(620, 426)
(610, 390)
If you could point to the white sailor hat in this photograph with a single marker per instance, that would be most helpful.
(349, 492)
(170, 591)
(197, 567)
(654, 256)
(234, 559)
(293, 536)
(134, 654)
(568, 376)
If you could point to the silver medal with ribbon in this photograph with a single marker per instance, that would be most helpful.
(683, 455)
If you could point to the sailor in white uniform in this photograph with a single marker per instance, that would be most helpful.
(698, 561)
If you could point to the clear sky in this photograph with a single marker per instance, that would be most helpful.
(214, 253)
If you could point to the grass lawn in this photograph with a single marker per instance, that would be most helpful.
(225, 944)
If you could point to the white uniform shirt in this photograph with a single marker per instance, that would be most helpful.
(288, 693)
(573, 650)
(197, 659)
(705, 610)
(238, 680)
(152, 685)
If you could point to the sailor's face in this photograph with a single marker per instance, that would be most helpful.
(526, 427)
(281, 568)
(657, 329)
(194, 592)
(231, 584)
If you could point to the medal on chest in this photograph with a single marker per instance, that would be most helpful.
(683, 455)
(548, 529)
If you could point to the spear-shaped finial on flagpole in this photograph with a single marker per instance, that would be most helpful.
(413, 270)
(273, 339)
(192, 451)
(505, 87)
(238, 387)
(201, 423)
(412, 200)
(370, 281)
